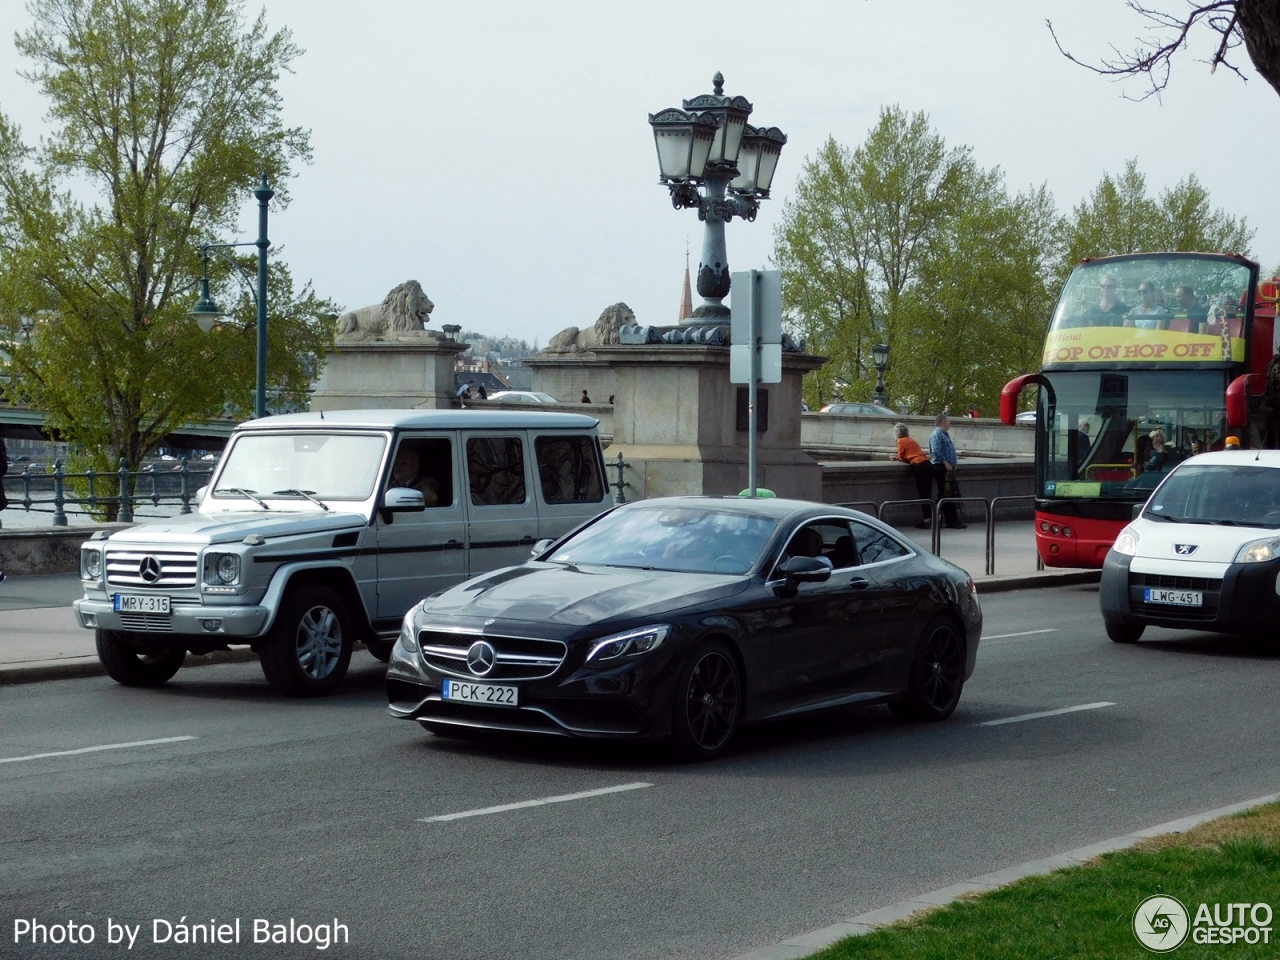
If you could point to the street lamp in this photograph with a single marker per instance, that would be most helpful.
(206, 312)
(880, 354)
(709, 144)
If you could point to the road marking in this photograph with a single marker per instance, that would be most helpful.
(1024, 633)
(1047, 713)
(563, 798)
(108, 746)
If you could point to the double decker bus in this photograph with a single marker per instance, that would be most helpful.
(1150, 358)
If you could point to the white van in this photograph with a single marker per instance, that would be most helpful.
(318, 530)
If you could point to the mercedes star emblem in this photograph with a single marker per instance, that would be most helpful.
(149, 569)
(480, 658)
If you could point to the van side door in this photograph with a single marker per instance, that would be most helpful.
(502, 518)
(571, 483)
(421, 553)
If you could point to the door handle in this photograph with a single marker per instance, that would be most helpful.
(857, 583)
(525, 540)
(453, 545)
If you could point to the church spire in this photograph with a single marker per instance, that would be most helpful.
(686, 295)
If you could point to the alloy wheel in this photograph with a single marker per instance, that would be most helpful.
(319, 642)
(712, 700)
(944, 667)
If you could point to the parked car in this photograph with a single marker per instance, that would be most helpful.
(522, 396)
(688, 617)
(1203, 553)
(861, 409)
(1026, 416)
(319, 530)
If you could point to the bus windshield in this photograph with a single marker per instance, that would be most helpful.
(1157, 308)
(1115, 435)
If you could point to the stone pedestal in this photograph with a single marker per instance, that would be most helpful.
(675, 423)
(408, 370)
(566, 375)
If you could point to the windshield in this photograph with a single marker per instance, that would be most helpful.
(691, 539)
(1244, 496)
(326, 466)
(1165, 309)
(1116, 435)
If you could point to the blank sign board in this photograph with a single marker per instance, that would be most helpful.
(746, 288)
(770, 363)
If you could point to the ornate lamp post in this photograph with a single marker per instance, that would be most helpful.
(710, 145)
(880, 354)
(206, 312)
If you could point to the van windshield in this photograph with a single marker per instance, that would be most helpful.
(1245, 496)
(325, 466)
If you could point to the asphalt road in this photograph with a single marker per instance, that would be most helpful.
(313, 810)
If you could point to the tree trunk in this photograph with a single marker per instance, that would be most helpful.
(1260, 25)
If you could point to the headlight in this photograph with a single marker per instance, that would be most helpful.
(221, 569)
(1258, 551)
(1127, 542)
(408, 641)
(90, 564)
(629, 644)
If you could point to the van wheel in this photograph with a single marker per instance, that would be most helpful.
(133, 667)
(1123, 632)
(310, 644)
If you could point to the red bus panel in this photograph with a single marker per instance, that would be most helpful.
(1075, 541)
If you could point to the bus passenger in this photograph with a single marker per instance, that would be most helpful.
(1108, 311)
(1149, 314)
(1189, 304)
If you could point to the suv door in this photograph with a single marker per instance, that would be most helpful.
(502, 520)
(571, 485)
(421, 553)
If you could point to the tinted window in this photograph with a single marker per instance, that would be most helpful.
(495, 466)
(425, 464)
(874, 546)
(569, 469)
(827, 538)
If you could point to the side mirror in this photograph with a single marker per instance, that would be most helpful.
(199, 494)
(806, 570)
(1137, 510)
(542, 546)
(403, 500)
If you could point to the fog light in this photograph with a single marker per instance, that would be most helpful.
(1053, 548)
(212, 626)
(1055, 530)
(1066, 531)
(90, 619)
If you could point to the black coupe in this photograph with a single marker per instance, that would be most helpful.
(688, 617)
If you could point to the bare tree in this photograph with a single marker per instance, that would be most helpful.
(1253, 23)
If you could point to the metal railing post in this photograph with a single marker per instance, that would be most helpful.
(26, 488)
(155, 489)
(126, 508)
(185, 475)
(620, 484)
(992, 534)
(59, 513)
(92, 499)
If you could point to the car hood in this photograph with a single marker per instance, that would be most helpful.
(576, 596)
(232, 527)
(1206, 542)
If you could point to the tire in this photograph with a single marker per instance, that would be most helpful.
(708, 703)
(1123, 632)
(309, 648)
(937, 675)
(381, 649)
(133, 667)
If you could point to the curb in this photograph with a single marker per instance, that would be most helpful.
(75, 667)
(1029, 581)
(816, 940)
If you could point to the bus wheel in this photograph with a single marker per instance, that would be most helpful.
(1123, 632)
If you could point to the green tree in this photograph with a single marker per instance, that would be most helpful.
(905, 241)
(164, 114)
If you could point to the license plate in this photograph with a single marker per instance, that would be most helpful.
(484, 694)
(1175, 598)
(139, 603)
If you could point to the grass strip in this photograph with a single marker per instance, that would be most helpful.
(1087, 911)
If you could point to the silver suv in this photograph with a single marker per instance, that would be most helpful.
(318, 530)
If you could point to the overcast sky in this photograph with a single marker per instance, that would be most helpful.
(499, 152)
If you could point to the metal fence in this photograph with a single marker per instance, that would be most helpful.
(47, 490)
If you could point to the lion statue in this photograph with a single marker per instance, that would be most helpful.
(404, 309)
(603, 333)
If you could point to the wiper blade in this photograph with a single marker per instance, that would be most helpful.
(243, 493)
(1160, 516)
(300, 493)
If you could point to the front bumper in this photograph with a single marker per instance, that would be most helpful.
(187, 619)
(1246, 600)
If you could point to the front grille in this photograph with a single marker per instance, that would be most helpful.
(146, 622)
(176, 568)
(517, 658)
(1211, 588)
(465, 713)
